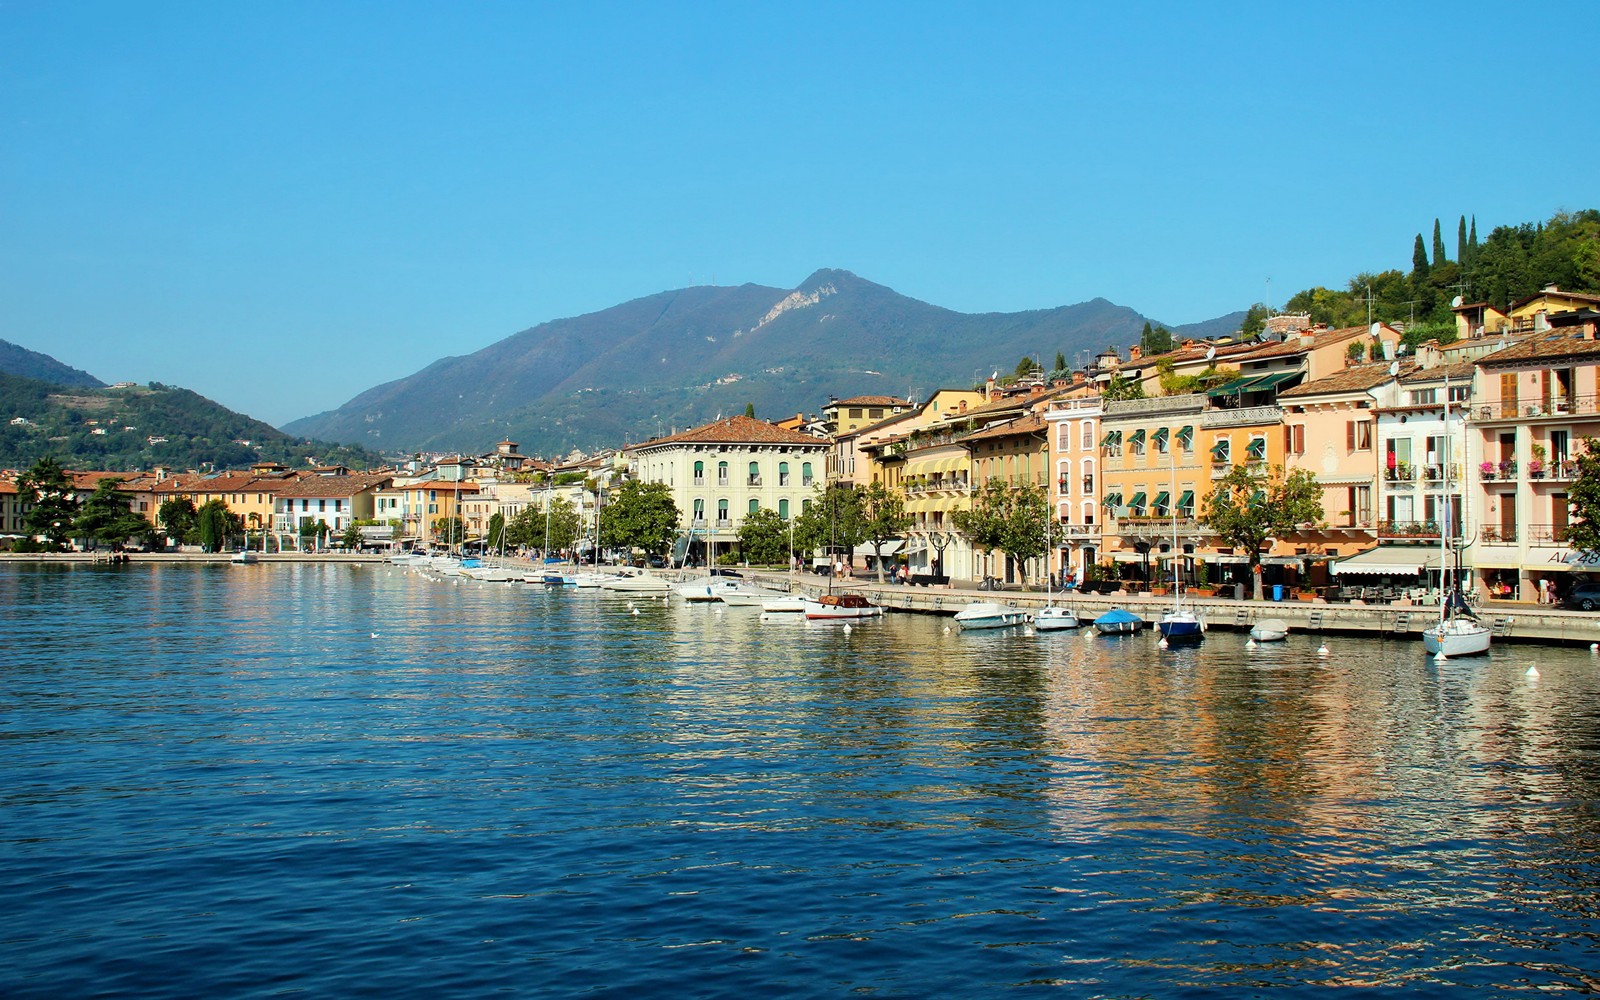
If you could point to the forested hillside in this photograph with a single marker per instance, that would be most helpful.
(140, 427)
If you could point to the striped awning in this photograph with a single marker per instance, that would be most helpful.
(1138, 500)
(1161, 499)
(1187, 499)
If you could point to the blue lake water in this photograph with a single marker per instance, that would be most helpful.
(352, 781)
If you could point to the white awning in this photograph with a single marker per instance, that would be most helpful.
(889, 548)
(1388, 560)
(1132, 557)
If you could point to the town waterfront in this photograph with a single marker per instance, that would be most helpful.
(354, 780)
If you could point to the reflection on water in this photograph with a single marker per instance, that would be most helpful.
(332, 779)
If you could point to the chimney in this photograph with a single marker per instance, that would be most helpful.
(1078, 378)
(1135, 352)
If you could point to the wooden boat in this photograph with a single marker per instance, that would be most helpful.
(831, 606)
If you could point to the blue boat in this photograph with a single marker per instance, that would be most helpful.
(1118, 621)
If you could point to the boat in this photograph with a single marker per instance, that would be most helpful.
(1180, 624)
(638, 583)
(989, 614)
(1270, 630)
(1458, 631)
(1053, 618)
(706, 588)
(840, 606)
(590, 580)
(747, 596)
(786, 604)
(1118, 621)
(558, 579)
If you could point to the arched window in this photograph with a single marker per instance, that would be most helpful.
(783, 473)
(699, 510)
(805, 475)
(783, 509)
(755, 505)
(722, 473)
(805, 505)
(699, 473)
(755, 474)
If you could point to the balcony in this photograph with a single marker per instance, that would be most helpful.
(1522, 409)
(723, 524)
(1244, 416)
(924, 487)
(1506, 469)
(754, 481)
(1441, 473)
(699, 480)
(1076, 531)
(1158, 526)
(1498, 534)
(1408, 529)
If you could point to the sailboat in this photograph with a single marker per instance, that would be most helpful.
(1458, 632)
(1051, 617)
(1179, 625)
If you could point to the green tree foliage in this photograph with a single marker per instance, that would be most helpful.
(107, 516)
(497, 531)
(1122, 387)
(1461, 241)
(1419, 259)
(834, 520)
(640, 515)
(1010, 519)
(1061, 362)
(1255, 320)
(1173, 384)
(883, 519)
(54, 506)
(525, 530)
(558, 528)
(446, 530)
(1155, 339)
(1438, 245)
(1583, 496)
(1245, 508)
(750, 409)
(351, 539)
(178, 517)
(215, 524)
(764, 538)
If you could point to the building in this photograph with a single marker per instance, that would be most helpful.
(335, 502)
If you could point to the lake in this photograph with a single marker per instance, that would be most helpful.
(333, 780)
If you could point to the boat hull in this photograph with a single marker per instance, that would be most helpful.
(1118, 621)
(988, 614)
(1181, 629)
(1270, 630)
(1459, 637)
(1055, 620)
(844, 607)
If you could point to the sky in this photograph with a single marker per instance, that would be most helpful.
(281, 205)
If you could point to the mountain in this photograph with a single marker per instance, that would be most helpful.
(679, 358)
(19, 361)
(140, 427)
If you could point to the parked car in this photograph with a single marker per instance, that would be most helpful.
(1584, 597)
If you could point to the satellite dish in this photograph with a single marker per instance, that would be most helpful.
(1394, 368)
(1455, 303)
(1375, 328)
(1211, 352)
(996, 374)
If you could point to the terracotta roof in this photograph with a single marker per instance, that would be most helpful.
(333, 486)
(872, 401)
(1354, 379)
(1031, 423)
(8, 486)
(738, 429)
(1544, 348)
(237, 482)
(443, 484)
(1556, 294)
(1461, 371)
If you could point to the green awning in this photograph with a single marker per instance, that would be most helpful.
(1137, 436)
(1271, 381)
(1110, 438)
(1186, 500)
(1220, 449)
(1257, 448)
(1137, 501)
(1160, 434)
(1257, 498)
(1161, 499)
(1231, 388)
(1113, 500)
(1186, 432)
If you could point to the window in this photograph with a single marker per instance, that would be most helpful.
(1460, 393)
(755, 505)
(1221, 451)
(1424, 397)
(783, 473)
(699, 473)
(855, 413)
(699, 510)
(875, 413)
(722, 473)
(1136, 442)
(1358, 435)
(722, 512)
(1159, 439)
(805, 505)
(755, 474)
(1186, 439)
(1088, 435)
(1256, 450)
(783, 509)
(1294, 438)
(805, 475)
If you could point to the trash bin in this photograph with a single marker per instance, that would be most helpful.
(1238, 591)
(1277, 592)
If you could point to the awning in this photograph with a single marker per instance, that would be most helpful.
(1258, 497)
(1112, 437)
(1220, 449)
(1388, 560)
(1161, 499)
(1187, 499)
(1136, 437)
(1282, 560)
(1131, 557)
(1112, 500)
(1231, 388)
(1257, 448)
(1186, 431)
(1160, 434)
(1270, 381)
(1138, 500)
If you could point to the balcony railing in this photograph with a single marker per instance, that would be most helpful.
(1506, 469)
(1497, 534)
(1552, 406)
(1076, 530)
(935, 486)
(1405, 472)
(755, 481)
(1408, 529)
(1548, 534)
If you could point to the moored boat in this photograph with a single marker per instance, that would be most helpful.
(1053, 618)
(830, 606)
(1270, 630)
(1118, 621)
(639, 583)
(989, 614)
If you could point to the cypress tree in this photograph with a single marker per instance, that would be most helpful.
(1461, 241)
(1438, 245)
(1419, 258)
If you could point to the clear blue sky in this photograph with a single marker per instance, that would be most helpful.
(279, 205)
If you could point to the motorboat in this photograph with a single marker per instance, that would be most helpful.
(589, 581)
(747, 596)
(989, 614)
(841, 606)
(1270, 630)
(1118, 621)
(706, 588)
(1054, 618)
(784, 604)
(639, 583)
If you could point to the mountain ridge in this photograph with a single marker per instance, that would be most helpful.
(680, 356)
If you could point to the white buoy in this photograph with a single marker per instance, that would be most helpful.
(1322, 650)
(1439, 657)
(1533, 671)
(374, 635)
(1250, 643)
(634, 612)
(947, 630)
(1594, 647)
(847, 626)
(1027, 631)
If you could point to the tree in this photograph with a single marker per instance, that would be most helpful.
(1155, 339)
(1583, 498)
(1461, 242)
(764, 538)
(835, 520)
(557, 529)
(449, 530)
(215, 524)
(1122, 387)
(107, 516)
(177, 516)
(526, 528)
(351, 539)
(1008, 518)
(1061, 362)
(52, 504)
(1027, 366)
(750, 409)
(1419, 259)
(640, 515)
(1438, 245)
(884, 519)
(1255, 320)
(1246, 508)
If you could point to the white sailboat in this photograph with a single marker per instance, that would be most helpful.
(1179, 625)
(1052, 617)
(1458, 632)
